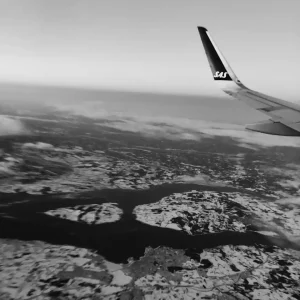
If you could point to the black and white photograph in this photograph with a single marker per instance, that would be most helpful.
(149, 150)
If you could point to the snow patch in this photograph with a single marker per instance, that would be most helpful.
(90, 214)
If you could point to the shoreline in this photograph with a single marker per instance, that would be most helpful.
(116, 241)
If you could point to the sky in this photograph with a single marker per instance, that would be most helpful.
(150, 46)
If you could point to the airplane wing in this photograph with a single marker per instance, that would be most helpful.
(284, 115)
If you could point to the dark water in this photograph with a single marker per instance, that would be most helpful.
(115, 241)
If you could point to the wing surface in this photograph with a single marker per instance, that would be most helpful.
(284, 115)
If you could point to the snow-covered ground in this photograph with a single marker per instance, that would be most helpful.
(193, 212)
(90, 214)
(41, 167)
(80, 170)
(37, 270)
(199, 212)
(228, 272)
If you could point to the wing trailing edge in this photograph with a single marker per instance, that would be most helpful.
(274, 128)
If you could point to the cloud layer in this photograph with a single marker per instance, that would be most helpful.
(161, 119)
(164, 125)
(9, 126)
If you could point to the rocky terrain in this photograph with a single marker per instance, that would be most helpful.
(53, 188)
(42, 271)
(81, 154)
(210, 212)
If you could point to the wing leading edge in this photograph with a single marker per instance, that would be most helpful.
(284, 115)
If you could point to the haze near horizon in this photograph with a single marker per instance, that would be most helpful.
(149, 46)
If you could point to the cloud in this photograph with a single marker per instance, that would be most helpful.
(89, 109)
(197, 179)
(153, 130)
(38, 145)
(185, 129)
(288, 177)
(174, 127)
(9, 126)
(5, 168)
(255, 138)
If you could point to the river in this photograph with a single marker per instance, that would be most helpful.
(24, 219)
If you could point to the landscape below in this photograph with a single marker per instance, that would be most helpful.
(89, 211)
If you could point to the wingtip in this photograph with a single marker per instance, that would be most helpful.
(201, 28)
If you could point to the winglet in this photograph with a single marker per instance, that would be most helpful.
(218, 64)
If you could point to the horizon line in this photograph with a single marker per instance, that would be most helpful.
(107, 89)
